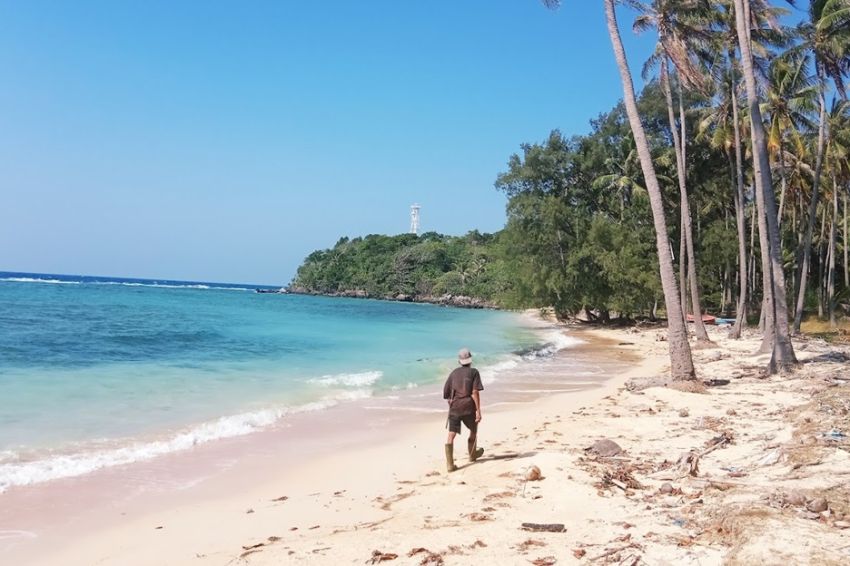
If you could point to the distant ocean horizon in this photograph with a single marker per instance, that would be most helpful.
(102, 371)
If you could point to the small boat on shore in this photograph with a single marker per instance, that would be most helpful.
(706, 319)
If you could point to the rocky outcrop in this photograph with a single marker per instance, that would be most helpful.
(447, 300)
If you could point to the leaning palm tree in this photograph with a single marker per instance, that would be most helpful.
(782, 356)
(681, 362)
(678, 24)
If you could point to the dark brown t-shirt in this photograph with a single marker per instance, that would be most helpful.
(459, 387)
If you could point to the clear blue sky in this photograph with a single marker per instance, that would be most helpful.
(224, 141)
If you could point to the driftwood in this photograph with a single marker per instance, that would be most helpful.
(615, 551)
(545, 527)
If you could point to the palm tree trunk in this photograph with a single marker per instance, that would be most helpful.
(813, 207)
(830, 286)
(752, 262)
(784, 182)
(681, 362)
(740, 220)
(846, 243)
(683, 270)
(702, 335)
(782, 356)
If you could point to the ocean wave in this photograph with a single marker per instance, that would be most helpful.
(123, 284)
(16, 473)
(38, 280)
(349, 379)
(157, 285)
(555, 340)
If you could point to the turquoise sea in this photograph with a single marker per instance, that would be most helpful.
(99, 371)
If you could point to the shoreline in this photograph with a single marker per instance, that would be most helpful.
(767, 484)
(76, 458)
(185, 477)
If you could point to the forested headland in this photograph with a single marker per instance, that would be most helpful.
(722, 188)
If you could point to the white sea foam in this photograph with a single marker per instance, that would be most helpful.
(168, 286)
(349, 379)
(121, 283)
(555, 340)
(38, 280)
(17, 473)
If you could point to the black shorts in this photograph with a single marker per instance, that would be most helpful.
(468, 420)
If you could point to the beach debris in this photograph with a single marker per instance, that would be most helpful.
(533, 474)
(545, 561)
(833, 435)
(731, 412)
(478, 517)
(688, 463)
(498, 495)
(684, 413)
(617, 550)
(817, 505)
(605, 448)
(528, 543)
(249, 511)
(157, 528)
(378, 556)
(794, 499)
(770, 458)
(281, 498)
(430, 558)
(579, 552)
(841, 524)
(666, 488)
(544, 527)
(621, 478)
(253, 546)
(641, 383)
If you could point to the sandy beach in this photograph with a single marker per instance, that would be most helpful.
(753, 470)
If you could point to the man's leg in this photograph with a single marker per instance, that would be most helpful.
(474, 452)
(454, 428)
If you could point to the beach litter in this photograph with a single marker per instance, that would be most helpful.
(605, 448)
(378, 556)
(544, 527)
(430, 558)
(833, 435)
(533, 474)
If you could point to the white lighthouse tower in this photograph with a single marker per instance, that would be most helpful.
(414, 218)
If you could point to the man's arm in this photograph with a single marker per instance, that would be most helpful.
(447, 390)
(477, 398)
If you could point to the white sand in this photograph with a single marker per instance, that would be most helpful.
(395, 497)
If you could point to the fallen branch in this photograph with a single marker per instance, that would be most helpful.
(544, 527)
(615, 551)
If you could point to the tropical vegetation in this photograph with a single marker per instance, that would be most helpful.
(721, 188)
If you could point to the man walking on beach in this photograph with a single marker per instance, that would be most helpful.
(461, 391)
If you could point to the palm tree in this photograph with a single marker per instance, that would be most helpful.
(782, 356)
(827, 36)
(681, 362)
(837, 155)
(674, 21)
(725, 125)
(789, 102)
